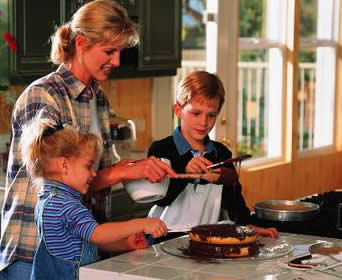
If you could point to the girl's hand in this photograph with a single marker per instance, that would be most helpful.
(137, 241)
(268, 232)
(198, 165)
(155, 227)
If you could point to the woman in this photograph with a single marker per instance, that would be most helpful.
(86, 48)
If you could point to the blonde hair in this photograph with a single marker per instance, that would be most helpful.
(200, 84)
(100, 21)
(38, 147)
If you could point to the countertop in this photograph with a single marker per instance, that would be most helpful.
(154, 263)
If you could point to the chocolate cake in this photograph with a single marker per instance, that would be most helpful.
(223, 241)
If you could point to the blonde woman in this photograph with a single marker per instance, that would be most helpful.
(86, 49)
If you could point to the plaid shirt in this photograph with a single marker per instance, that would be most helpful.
(66, 99)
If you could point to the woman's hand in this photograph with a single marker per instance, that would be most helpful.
(268, 232)
(151, 169)
(198, 165)
(137, 241)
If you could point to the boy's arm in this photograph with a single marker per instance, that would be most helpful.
(234, 202)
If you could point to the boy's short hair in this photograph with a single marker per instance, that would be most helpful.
(200, 84)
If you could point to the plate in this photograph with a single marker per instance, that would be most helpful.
(272, 248)
(326, 248)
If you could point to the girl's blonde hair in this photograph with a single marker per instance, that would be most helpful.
(38, 147)
(199, 84)
(100, 21)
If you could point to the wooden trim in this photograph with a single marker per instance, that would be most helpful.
(338, 90)
(227, 69)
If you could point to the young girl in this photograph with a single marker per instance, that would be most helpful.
(60, 159)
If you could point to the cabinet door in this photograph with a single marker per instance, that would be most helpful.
(32, 22)
(131, 6)
(160, 22)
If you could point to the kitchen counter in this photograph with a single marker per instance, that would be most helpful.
(154, 263)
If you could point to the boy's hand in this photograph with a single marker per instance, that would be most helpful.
(268, 232)
(155, 227)
(198, 165)
(137, 241)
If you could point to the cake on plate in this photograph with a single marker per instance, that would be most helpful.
(223, 241)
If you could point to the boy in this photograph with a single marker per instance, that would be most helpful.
(192, 202)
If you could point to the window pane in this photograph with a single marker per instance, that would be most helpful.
(259, 113)
(308, 19)
(317, 71)
(193, 27)
(261, 79)
(252, 18)
(316, 95)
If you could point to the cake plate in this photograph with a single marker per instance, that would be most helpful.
(270, 248)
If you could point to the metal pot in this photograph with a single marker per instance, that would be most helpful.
(285, 210)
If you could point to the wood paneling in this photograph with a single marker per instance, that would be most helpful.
(312, 174)
(6, 107)
(132, 99)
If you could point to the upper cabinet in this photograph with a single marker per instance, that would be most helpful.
(32, 23)
(160, 37)
(158, 54)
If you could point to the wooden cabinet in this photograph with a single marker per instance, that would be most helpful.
(159, 50)
(33, 22)
(160, 22)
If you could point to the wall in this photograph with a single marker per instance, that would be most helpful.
(132, 99)
(307, 175)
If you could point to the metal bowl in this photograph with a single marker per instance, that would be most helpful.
(305, 211)
(326, 248)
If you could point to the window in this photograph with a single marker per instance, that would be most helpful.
(250, 44)
(260, 77)
(265, 84)
(317, 73)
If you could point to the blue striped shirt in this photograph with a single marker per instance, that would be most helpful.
(66, 221)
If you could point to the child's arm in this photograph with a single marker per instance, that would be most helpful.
(133, 242)
(269, 232)
(108, 233)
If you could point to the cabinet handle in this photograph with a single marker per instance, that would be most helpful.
(147, 58)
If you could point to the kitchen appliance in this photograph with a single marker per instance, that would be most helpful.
(123, 134)
(327, 222)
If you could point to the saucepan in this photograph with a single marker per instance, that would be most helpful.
(285, 210)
